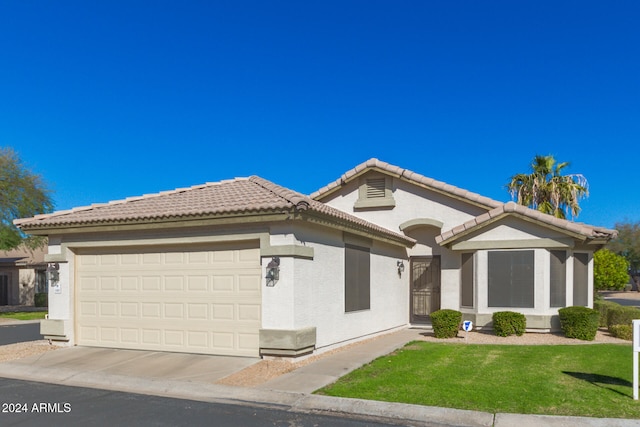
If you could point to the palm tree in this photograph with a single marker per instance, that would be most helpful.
(547, 190)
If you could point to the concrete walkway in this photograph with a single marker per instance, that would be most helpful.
(189, 376)
(328, 369)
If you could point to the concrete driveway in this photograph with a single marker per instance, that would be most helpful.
(19, 331)
(629, 298)
(149, 365)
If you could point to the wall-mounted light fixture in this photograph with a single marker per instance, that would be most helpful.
(273, 271)
(400, 266)
(53, 273)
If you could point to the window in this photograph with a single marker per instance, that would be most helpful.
(511, 279)
(41, 282)
(356, 278)
(558, 278)
(4, 289)
(466, 281)
(581, 279)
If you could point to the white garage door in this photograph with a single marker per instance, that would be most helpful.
(192, 300)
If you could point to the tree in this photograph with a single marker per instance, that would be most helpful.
(627, 244)
(610, 271)
(22, 195)
(547, 190)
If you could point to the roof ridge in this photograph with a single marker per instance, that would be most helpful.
(511, 207)
(298, 200)
(410, 176)
(125, 200)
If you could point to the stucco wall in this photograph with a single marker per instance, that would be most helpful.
(542, 284)
(311, 292)
(411, 202)
(510, 229)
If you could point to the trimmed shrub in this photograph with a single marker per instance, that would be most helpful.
(610, 271)
(621, 315)
(507, 323)
(603, 307)
(624, 332)
(446, 323)
(41, 300)
(579, 322)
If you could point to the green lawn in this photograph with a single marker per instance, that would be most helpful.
(579, 380)
(24, 315)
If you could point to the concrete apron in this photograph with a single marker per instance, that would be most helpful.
(134, 363)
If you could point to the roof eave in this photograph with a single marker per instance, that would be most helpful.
(400, 174)
(450, 240)
(167, 222)
(362, 230)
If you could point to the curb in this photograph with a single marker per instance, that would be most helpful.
(300, 402)
(13, 322)
(294, 402)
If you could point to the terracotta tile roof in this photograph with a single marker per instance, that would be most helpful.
(588, 232)
(407, 175)
(237, 196)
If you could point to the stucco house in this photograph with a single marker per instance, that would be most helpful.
(22, 275)
(472, 253)
(246, 267)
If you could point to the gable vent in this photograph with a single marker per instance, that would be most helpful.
(375, 188)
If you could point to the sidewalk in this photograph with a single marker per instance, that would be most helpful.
(328, 369)
(189, 376)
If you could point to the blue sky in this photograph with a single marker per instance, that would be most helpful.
(124, 98)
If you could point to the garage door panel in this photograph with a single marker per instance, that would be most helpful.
(88, 308)
(223, 284)
(109, 335)
(151, 337)
(249, 284)
(129, 335)
(109, 309)
(188, 301)
(247, 341)
(129, 309)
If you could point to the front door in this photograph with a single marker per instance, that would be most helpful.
(425, 287)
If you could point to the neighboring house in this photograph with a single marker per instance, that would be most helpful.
(22, 275)
(245, 267)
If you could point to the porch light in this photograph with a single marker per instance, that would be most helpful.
(273, 271)
(400, 265)
(53, 273)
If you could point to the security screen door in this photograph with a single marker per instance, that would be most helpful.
(425, 288)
